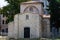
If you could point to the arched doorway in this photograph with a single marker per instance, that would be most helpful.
(26, 32)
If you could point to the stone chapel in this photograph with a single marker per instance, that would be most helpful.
(31, 22)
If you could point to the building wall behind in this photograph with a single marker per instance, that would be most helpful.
(11, 30)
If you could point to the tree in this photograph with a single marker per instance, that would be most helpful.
(15, 4)
(55, 13)
(11, 9)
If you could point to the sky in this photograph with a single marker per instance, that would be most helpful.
(3, 3)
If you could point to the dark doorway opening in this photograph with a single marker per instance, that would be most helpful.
(26, 32)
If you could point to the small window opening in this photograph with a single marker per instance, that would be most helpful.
(27, 17)
(3, 21)
(31, 9)
(2, 30)
(6, 30)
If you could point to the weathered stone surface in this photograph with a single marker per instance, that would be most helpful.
(34, 21)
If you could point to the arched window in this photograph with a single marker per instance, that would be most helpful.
(31, 9)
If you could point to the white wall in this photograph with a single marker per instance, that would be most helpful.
(32, 22)
(11, 30)
(16, 25)
(39, 6)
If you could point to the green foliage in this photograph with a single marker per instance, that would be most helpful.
(0, 10)
(11, 9)
(58, 1)
(15, 4)
(14, 8)
(55, 12)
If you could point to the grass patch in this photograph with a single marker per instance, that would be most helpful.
(29, 39)
(36, 39)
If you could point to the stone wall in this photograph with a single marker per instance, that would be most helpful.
(46, 27)
(33, 22)
(11, 30)
(25, 5)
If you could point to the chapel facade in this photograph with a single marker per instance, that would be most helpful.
(31, 22)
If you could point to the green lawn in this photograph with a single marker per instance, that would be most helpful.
(30, 39)
(38, 39)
